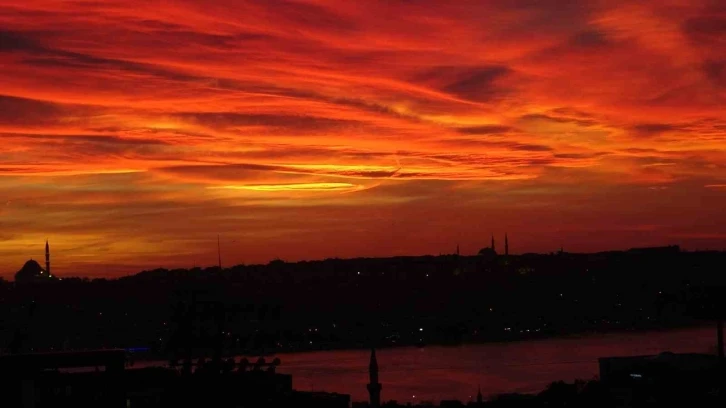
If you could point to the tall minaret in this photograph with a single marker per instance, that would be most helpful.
(47, 257)
(506, 245)
(374, 387)
(219, 253)
(479, 398)
(493, 249)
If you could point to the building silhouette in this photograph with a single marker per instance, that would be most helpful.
(506, 245)
(488, 253)
(47, 257)
(665, 379)
(73, 379)
(34, 380)
(32, 272)
(374, 387)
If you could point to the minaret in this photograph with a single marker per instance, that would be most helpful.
(374, 387)
(47, 257)
(457, 249)
(506, 245)
(219, 253)
(719, 340)
(479, 398)
(493, 249)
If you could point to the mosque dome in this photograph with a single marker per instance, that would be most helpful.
(32, 272)
(488, 252)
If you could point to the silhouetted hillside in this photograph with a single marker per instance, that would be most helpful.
(349, 303)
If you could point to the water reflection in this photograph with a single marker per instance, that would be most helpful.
(435, 373)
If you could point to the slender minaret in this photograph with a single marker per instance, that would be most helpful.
(457, 249)
(506, 245)
(219, 253)
(719, 339)
(493, 249)
(479, 398)
(47, 257)
(374, 387)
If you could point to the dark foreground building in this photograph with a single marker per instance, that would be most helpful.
(663, 380)
(82, 379)
(100, 379)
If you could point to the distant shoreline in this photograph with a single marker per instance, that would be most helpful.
(146, 357)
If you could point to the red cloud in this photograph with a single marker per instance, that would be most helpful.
(117, 119)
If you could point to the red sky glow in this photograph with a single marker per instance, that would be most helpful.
(133, 132)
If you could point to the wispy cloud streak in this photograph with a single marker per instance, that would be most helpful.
(274, 120)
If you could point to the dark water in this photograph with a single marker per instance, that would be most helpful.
(435, 373)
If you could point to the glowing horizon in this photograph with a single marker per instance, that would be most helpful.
(133, 132)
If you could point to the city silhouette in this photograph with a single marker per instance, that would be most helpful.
(174, 337)
(362, 204)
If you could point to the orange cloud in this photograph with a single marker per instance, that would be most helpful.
(131, 132)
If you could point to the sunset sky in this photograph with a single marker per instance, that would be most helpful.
(133, 132)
